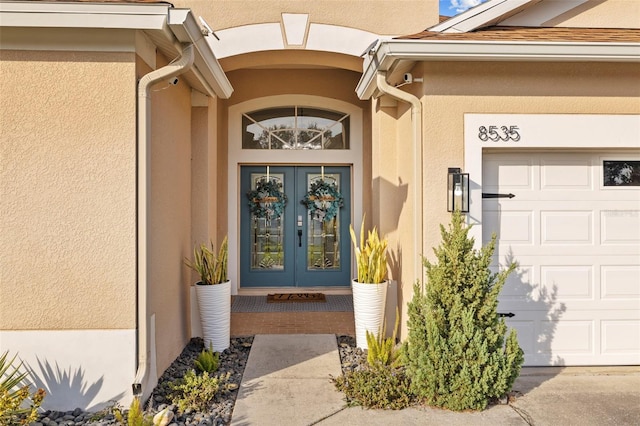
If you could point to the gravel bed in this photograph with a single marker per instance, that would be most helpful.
(351, 357)
(233, 360)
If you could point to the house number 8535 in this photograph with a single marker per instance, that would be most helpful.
(504, 133)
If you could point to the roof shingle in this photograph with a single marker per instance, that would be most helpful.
(604, 35)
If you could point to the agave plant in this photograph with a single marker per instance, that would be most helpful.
(14, 392)
(371, 256)
(211, 268)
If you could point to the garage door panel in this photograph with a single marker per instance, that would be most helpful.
(567, 337)
(620, 336)
(527, 336)
(620, 227)
(573, 174)
(569, 281)
(566, 227)
(512, 227)
(620, 282)
(517, 287)
(514, 174)
(576, 291)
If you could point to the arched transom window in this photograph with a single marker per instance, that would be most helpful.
(295, 127)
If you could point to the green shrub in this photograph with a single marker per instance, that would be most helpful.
(208, 360)
(456, 352)
(196, 391)
(383, 350)
(14, 392)
(377, 386)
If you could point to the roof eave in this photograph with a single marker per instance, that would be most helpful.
(183, 24)
(82, 15)
(391, 51)
(149, 17)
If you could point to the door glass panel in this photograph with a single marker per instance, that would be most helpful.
(295, 127)
(323, 236)
(267, 225)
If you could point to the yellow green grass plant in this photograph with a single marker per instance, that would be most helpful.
(371, 256)
(211, 268)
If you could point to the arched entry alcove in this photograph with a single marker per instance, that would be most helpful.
(296, 164)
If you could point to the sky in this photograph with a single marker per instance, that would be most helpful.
(454, 7)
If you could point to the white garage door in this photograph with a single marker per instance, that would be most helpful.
(574, 229)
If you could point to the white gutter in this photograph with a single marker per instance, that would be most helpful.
(390, 51)
(416, 121)
(207, 68)
(178, 67)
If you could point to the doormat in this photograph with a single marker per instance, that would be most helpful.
(296, 297)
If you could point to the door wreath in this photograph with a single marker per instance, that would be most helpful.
(267, 200)
(323, 200)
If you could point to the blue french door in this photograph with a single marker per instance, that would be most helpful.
(292, 243)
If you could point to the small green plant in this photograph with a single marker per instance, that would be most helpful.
(14, 392)
(378, 386)
(383, 350)
(135, 415)
(371, 256)
(211, 268)
(197, 391)
(208, 360)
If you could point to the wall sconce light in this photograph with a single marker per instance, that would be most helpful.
(457, 190)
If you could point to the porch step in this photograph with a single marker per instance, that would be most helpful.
(286, 380)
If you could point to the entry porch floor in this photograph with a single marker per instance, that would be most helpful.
(255, 316)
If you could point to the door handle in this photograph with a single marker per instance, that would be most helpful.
(299, 237)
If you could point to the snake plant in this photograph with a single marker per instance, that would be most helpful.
(211, 268)
(371, 256)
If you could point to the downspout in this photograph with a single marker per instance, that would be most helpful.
(416, 121)
(144, 178)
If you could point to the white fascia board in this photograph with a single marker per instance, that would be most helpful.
(388, 52)
(184, 26)
(480, 16)
(82, 15)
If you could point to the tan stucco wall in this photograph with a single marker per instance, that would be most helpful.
(453, 89)
(67, 185)
(331, 83)
(204, 173)
(601, 14)
(377, 16)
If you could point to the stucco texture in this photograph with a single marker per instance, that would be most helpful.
(388, 17)
(600, 14)
(67, 185)
(453, 89)
(449, 91)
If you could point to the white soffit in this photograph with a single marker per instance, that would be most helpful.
(540, 13)
(245, 39)
(390, 52)
(295, 28)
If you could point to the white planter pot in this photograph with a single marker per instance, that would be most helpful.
(368, 309)
(214, 303)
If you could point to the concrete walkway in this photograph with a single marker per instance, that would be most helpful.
(286, 382)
